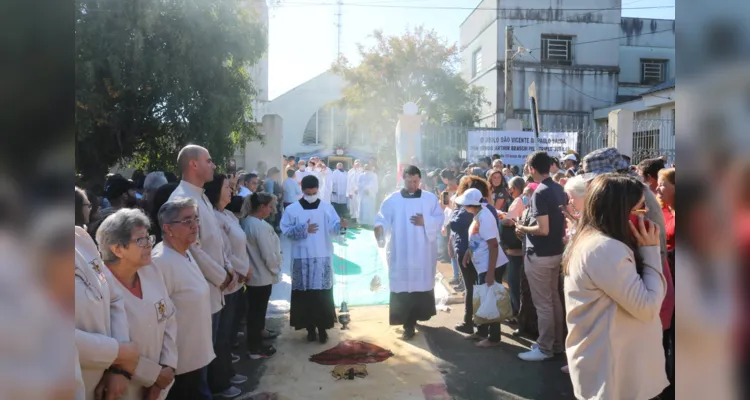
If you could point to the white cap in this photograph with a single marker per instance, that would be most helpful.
(471, 197)
(571, 157)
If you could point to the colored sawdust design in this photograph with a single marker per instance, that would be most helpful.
(352, 352)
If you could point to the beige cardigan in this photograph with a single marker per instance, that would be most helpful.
(614, 343)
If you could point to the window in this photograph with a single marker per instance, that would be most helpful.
(653, 71)
(476, 62)
(557, 49)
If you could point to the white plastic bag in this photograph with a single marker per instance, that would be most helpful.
(491, 304)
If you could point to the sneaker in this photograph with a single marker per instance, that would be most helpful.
(230, 393)
(238, 379)
(487, 343)
(534, 355)
(536, 346)
(263, 352)
(459, 288)
(454, 282)
(269, 334)
(235, 358)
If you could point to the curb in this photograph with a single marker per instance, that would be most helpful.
(453, 296)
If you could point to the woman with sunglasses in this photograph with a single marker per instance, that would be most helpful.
(614, 288)
(125, 246)
(189, 291)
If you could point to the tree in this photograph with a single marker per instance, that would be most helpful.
(154, 75)
(417, 66)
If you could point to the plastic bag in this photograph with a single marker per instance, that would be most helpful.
(491, 304)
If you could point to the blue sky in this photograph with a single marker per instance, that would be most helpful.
(302, 33)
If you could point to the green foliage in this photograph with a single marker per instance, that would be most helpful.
(154, 75)
(417, 66)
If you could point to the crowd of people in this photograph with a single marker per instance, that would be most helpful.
(168, 270)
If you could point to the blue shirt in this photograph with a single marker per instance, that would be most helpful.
(459, 225)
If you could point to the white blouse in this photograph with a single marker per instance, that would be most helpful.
(190, 294)
(101, 321)
(153, 327)
(235, 244)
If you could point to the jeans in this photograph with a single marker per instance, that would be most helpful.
(492, 328)
(515, 266)
(543, 274)
(456, 272)
(220, 369)
(257, 304)
(191, 385)
(469, 276)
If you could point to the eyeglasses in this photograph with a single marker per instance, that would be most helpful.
(145, 241)
(188, 221)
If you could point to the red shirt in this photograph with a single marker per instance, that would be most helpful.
(669, 227)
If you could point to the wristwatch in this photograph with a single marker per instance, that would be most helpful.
(119, 371)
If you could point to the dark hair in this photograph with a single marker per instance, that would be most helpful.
(249, 177)
(309, 182)
(171, 177)
(651, 167)
(213, 189)
(473, 182)
(273, 170)
(447, 175)
(609, 200)
(290, 173)
(291, 158)
(515, 169)
(160, 197)
(260, 199)
(540, 161)
(80, 200)
(529, 179)
(495, 157)
(555, 161)
(411, 170)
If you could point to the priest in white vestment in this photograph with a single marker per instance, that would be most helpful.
(301, 171)
(408, 225)
(325, 181)
(311, 225)
(339, 191)
(352, 192)
(367, 187)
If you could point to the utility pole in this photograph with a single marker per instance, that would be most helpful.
(339, 12)
(509, 54)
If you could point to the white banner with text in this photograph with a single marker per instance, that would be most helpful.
(514, 146)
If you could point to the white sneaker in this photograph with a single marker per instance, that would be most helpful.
(534, 355)
(230, 393)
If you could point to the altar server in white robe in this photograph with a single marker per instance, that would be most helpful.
(311, 224)
(408, 225)
(301, 171)
(339, 191)
(191, 296)
(326, 181)
(351, 187)
(367, 186)
(125, 246)
(105, 351)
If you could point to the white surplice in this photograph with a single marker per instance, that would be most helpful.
(325, 184)
(312, 253)
(411, 251)
(298, 175)
(367, 185)
(352, 178)
(338, 187)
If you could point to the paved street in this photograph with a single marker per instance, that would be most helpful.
(438, 364)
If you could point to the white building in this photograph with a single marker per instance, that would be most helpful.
(581, 53)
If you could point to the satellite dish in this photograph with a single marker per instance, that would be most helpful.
(411, 108)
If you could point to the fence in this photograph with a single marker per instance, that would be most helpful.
(651, 138)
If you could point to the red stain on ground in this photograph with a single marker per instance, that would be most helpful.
(435, 391)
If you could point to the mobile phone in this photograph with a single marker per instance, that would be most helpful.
(446, 198)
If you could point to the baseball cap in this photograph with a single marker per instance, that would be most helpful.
(471, 197)
(571, 157)
(603, 161)
(116, 186)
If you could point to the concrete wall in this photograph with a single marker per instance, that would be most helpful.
(480, 31)
(644, 38)
(269, 150)
(298, 105)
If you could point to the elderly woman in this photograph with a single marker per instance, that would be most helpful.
(221, 374)
(265, 255)
(106, 355)
(511, 243)
(189, 291)
(83, 208)
(125, 246)
(614, 288)
(575, 188)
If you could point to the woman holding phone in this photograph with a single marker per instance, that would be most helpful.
(614, 288)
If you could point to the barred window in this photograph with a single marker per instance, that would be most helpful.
(653, 71)
(476, 62)
(557, 49)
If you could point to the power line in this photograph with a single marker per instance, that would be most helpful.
(405, 6)
(609, 39)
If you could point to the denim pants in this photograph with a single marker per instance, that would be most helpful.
(515, 268)
(456, 269)
(493, 328)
